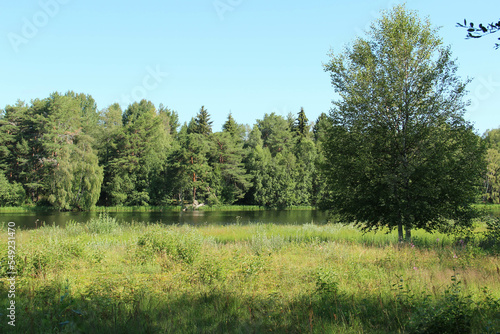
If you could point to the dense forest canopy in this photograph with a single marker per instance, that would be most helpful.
(63, 152)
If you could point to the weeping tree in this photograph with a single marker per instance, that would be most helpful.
(399, 153)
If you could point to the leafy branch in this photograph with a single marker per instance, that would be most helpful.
(481, 30)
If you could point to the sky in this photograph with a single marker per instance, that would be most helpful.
(244, 57)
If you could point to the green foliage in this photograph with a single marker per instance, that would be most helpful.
(301, 125)
(138, 157)
(230, 179)
(104, 224)
(11, 194)
(491, 240)
(326, 282)
(400, 154)
(491, 192)
(201, 124)
(182, 245)
(319, 278)
(49, 154)
(262, 244)
(452, 314)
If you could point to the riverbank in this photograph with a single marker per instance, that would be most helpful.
(32, 208)
(106, 277)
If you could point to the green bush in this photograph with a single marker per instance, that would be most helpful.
(452, 314)
(11, 194)
(102, 225)
(262, 244)
(181, 245)
(326, 282)
(491, 238)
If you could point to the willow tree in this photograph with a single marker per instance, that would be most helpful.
(400, 154)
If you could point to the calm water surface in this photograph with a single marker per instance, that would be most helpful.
(30, 220)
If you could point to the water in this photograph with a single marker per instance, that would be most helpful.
(29, 220)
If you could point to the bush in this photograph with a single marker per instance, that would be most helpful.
(103, 224)
(11, 194)
(491, 240)
(326, 282)
(453, 314)
(262, 244)
(181, 245)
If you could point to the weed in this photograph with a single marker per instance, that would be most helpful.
(182, 245)
(326, 282)
(491, 238)
(105, 224)
(451, 314)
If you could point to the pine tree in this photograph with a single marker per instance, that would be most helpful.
(140, 156)
(201, 124)
(301, 126)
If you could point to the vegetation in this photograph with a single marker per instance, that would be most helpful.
(404, 157)
(394, 153)
(105, 277)
(62, 152)
(480, 30)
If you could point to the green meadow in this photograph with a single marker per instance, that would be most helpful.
(110, 277)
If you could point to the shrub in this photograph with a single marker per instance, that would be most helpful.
(452, 314)
(262, 244)
(326, 282)
(491, 238)
(181, 245)
(103, 224)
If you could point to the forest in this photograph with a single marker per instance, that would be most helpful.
(65, 153)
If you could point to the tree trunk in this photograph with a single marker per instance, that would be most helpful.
(400, 232)
(408, 233)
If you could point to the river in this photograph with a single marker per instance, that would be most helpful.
(29, 220)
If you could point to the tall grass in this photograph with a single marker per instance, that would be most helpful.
(25, 208)
(104, 277)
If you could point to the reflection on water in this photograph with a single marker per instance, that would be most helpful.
(291, 217)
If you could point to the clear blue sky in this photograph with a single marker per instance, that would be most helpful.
(248, 57)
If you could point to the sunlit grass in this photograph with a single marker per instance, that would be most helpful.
(141, 277)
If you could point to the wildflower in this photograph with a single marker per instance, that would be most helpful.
(415, 268)
(455, 256)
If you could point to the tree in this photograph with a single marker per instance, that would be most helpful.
(301, 125)
(399, 152)
(480, 30)
(320, 136)
(11, 194)
(139, 157)
(170, 119)
(237, 131)
(188, 168)
(276, 133)
(201, 123)
(230, 176)
(47, 151)
(492, 178)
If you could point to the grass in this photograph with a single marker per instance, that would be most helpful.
(106, 277)
(135, 208)
(25, 208)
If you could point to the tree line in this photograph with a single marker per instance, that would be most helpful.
(63, 152)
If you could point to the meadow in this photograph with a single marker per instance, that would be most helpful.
(109, 277)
